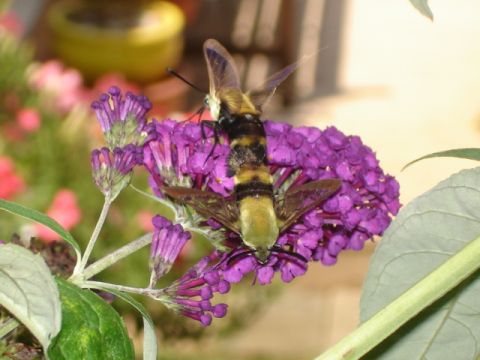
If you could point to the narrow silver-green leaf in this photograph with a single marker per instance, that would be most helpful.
(43, 219)
(149, 337)
(422, 6)
(427, 232)
(466, 153)
(28, 290)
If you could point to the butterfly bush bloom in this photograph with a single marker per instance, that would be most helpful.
(191, 294)
(112, 170)
(123, 119)
(123, 122)
(176, 155)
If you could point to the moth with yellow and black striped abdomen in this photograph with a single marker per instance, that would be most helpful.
(253, 211)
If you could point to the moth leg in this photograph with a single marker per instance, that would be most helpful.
(214, 126)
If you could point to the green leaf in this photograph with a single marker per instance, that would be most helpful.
(43, 219)
(426, 233)
(29, 292)
(466, 153)
(149, 337)
(422, 6)
(91, 328)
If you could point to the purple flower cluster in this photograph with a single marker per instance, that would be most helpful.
(112, 169)
(360, 210)
(176, 154)
(124, 124)
(123, 120)
(191, 294)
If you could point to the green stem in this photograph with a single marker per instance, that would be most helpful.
(432, 287)
(94, 237)
(156, 294)
(106, 286)
(7, 327)
(117, 255)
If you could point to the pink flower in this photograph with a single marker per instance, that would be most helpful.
(64, 209)
(28, 119)
(144, 219)
(11, 23)
(65, 85)
(10, 182)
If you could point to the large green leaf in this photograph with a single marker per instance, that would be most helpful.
(422, 6)
(149, 337)
(466, 153)
(426, 233)
(29, 292)
(43, 219)
(91, 328)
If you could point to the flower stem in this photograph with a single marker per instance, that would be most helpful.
(102, 285)
(94, 237)
(117, 255)
(8, 326)
(436, 284)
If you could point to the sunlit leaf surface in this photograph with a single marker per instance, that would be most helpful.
(29, 292)
(425, 234)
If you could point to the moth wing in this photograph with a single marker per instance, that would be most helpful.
(208, 204)
(261, 95)
(301, 199)
(222, 71)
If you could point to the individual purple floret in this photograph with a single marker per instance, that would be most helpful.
(168, 240)
(176, 154)
(112, 169)
(191, 294)
(123, 119)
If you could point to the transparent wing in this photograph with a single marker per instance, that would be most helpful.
(208, 204)
(222, 71)
(262, 94)
(301, 199)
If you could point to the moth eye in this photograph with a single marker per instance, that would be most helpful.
(205, 101)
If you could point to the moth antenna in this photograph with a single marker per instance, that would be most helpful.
(177, 75)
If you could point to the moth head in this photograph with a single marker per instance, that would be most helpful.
(263, 255)
(213, 104)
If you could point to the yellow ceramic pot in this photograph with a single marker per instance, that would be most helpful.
(138, 41)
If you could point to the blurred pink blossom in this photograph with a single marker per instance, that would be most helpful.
(65, 85)
(64, 209)
(28, 119)
(144, 219)
(11, 23)
(10, 182)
